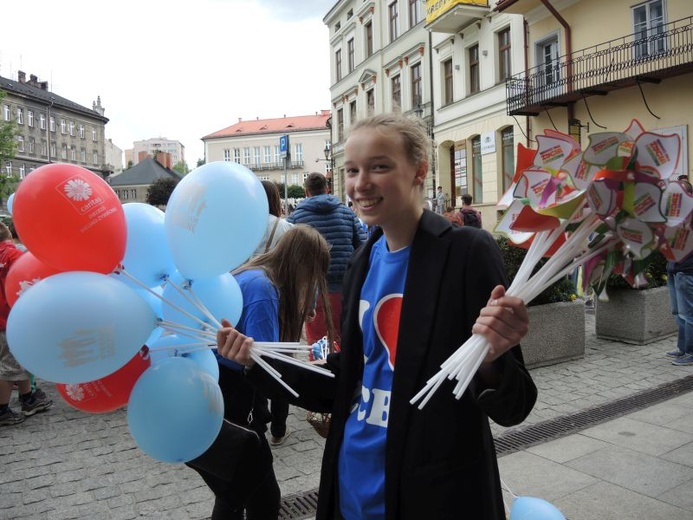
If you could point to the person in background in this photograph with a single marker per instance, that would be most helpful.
(441, 201)
(413, 294)
(278, 289)
(276, 225)
(680, 282)
(453, 216)
(470, 216)
(32, 400)
(343, 231)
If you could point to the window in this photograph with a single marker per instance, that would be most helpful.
(648, 26)
(370, 101)
(6, 112)
(44, 148)
(54, 150)
(93, 133)
(392, 18)
(246, 155)
(20, 143)
(42, 121)
(548, 59)
(63, 126)
(508, 157)
(447, 82)
(32, 145)
(504, 70)
(277, 155)
(81, 131)
(459, 161)
(73, 153)
(256, 155)
(20, 116)
(338, 64)
(83, 155)
(268, 154)
(340, 125)
(369, 39)
(414, 12)
(474, 69)
(22, 170)
(298, 152)
(95, 158)
(237, 155)
(51, 124)
(30, 118)
(227, 154)
(396, 85)
(476, 169)
(416, 86)
(350, 55)
(63, 152)
(352, 112)
(72, 128)
(8, 167)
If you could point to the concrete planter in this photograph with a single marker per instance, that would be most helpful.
(636, 317)
(556, 333)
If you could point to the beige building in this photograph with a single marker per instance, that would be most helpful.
(256, 144)
(150, 147)
(594, 66)
(52, 128)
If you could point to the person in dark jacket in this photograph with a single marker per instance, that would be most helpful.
(413, 295)
(342, 229)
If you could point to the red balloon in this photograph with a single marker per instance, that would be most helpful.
(70, 218)
(108, 393)
(25, 272)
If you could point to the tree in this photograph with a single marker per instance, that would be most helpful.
(160, 191)
(296, 192)
(181, 168)
(200, 162)
(8, 134)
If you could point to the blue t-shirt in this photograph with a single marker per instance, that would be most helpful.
(362, 454)
(260, 316)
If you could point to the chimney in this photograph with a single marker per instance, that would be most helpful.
(44, 85)
(21, 76)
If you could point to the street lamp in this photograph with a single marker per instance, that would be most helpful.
(329, 159)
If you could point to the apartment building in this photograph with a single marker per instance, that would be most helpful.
(151, 147)
(52, 128)
(593, 66)
(256, 144)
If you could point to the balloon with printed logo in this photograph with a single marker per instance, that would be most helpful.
(175, 411)
(215, 219)
(147, 255)
(70, 218)
(108, 393)
(78, 326)
(26, 271)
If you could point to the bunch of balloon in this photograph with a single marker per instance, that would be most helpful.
(69, 322)
(531, 508)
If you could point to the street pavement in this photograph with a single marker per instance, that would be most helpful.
(66, 464)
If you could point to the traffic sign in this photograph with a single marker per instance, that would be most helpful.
(283, 146)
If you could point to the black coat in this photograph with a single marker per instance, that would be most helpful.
(440, 461)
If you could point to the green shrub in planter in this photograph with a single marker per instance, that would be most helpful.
(561, 291)
(654, 267)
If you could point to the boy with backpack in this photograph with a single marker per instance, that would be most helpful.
(470, 216)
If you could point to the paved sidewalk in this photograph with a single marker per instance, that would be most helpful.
(65, 464)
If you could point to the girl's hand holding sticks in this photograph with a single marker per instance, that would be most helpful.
(503, 323)
(233, 345)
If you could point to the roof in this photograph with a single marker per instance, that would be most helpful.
(143, 173)
(26, 89)
(274, 126)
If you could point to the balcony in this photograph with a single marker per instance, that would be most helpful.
(451, 16)
(664, 52)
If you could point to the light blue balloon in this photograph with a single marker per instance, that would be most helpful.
(220, 295)
(215, 219)
(175, 411)
(530, 508)
(147, 254)
(10, 201)
(152, 300)
(206, 360)
(167, 345)
(78, 326)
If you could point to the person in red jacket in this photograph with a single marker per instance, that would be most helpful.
(11, 372)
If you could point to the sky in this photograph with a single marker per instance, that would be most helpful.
(176, 69)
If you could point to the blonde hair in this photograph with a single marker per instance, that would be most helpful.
(412, 131)
(297, 267)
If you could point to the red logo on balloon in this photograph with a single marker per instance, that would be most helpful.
(386, 319)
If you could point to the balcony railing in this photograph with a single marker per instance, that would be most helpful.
(279, 165)
(662, 52)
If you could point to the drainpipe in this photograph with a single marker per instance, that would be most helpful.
(430, 82)
(528, 121)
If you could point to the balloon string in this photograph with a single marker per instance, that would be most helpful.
(182, 345)
(165, 300)
(174, 327)
(193, 300)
